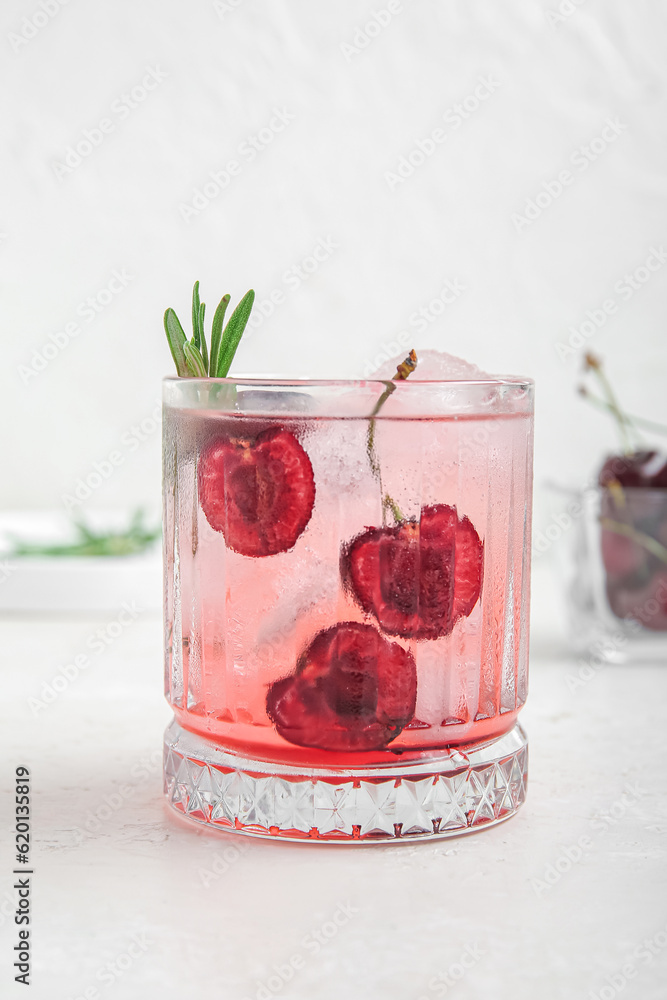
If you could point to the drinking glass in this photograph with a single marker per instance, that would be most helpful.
(346, 588)
(614, 563)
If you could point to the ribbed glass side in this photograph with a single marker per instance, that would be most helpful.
(235, 624)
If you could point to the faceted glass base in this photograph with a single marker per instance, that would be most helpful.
(441, 794)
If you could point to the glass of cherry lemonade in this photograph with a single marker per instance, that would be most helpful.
(346, 604)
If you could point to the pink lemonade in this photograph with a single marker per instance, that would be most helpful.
(343, 591)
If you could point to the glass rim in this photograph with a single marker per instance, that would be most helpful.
(517, 381)
(351, 398)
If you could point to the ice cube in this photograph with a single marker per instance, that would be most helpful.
(434, 366)
(300, 589)
(273, 401)
(337, 450)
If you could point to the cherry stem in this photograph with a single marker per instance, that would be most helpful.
(594, 364)
(389, 504)
(651, 425)
(652, 545)
(402, 372)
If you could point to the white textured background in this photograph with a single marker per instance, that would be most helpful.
(357, 109)
(355, 112)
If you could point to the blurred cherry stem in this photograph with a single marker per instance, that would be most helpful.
(652, 545)
(650, 425)
(593, 364)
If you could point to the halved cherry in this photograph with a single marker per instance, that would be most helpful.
(352, 690)
(258, 492)
(419, 577)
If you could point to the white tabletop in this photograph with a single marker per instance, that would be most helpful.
(568, 899)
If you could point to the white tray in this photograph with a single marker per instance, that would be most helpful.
(69, 583)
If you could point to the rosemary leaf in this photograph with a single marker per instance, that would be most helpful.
(194, 360)
(196, 338)
(233, 333)
(216, 334)
(176, 339)
(203, 345)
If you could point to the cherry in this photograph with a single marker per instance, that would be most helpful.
(352, 690)
(258, 492)
(419, 577)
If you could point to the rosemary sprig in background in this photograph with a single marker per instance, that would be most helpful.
(128, 541)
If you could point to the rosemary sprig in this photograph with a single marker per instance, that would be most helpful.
(133, 539)
(191, 357)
